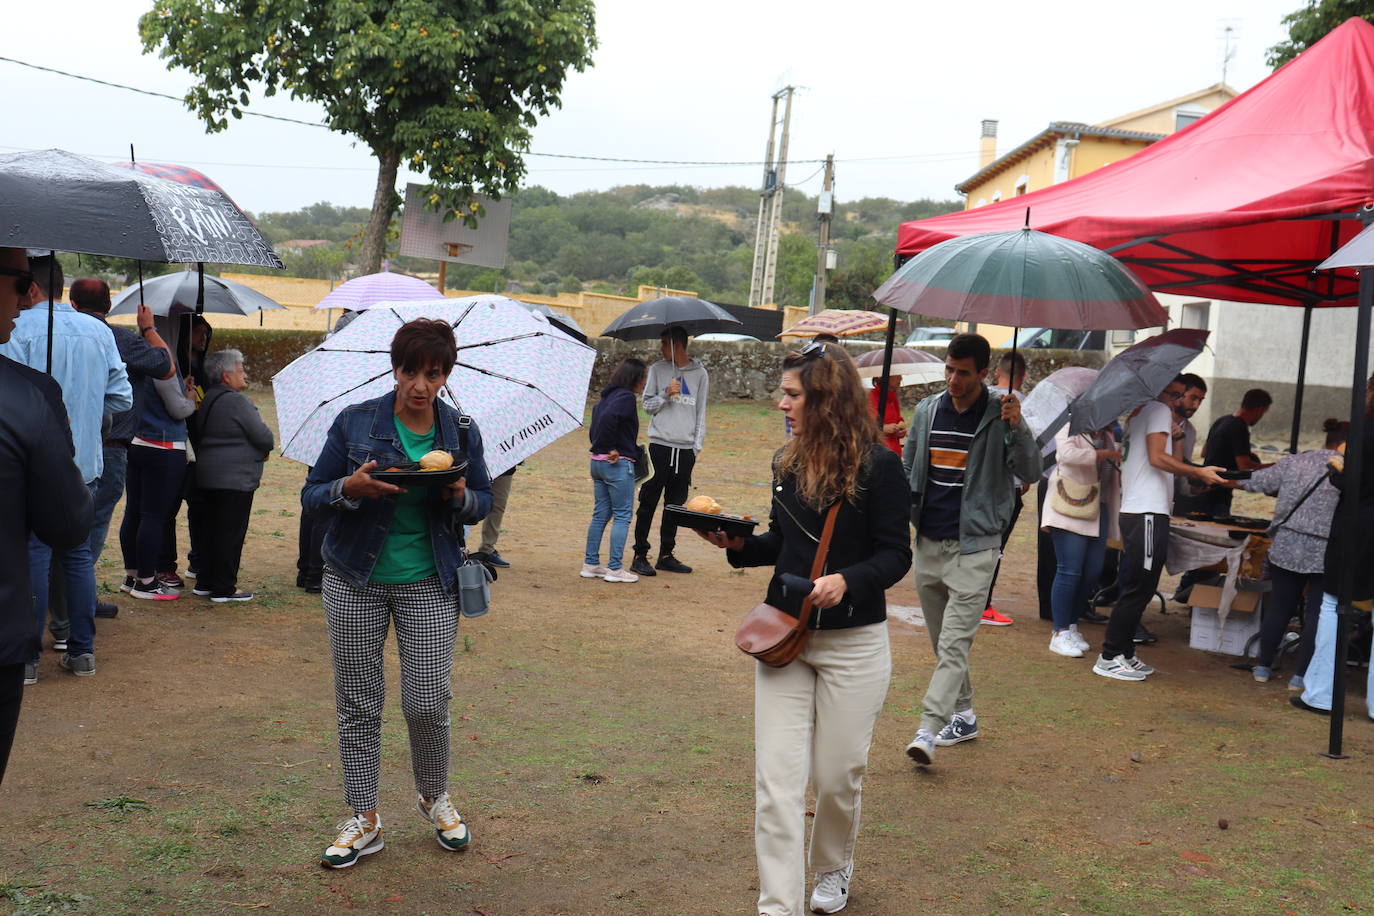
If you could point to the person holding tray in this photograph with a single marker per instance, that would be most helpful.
(392, 553)
(815, 716)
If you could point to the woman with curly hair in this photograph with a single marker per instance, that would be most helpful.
(814, 718)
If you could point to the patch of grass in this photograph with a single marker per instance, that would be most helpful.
(165, 854)
(121, 803)
(32, 900)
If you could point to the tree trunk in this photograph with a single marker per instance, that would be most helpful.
(383, 206)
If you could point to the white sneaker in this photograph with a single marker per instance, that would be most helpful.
(1078, 637)
(593, 572)
(1116, 668)
(450, 829)
(1135, 662)
(356, 838)
(1063, 643)
(620, 575)
(922, 748)
(832, 890)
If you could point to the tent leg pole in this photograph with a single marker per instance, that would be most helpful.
(1350, 520)
(887, 364)
(1302, 379)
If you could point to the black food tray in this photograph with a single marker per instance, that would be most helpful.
(1241, 521)
(705, 521)
(410, 475)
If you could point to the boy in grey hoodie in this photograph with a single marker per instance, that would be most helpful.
(675, 395)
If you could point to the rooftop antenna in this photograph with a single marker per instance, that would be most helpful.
(1228, 31)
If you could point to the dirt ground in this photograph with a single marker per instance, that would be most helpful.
(603, 753)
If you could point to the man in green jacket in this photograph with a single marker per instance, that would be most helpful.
(965, 449)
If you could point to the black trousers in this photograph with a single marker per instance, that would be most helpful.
(310, 543)
(1045, 562)
(1286, 600)
(1145, 544)
(224, 514)
(11, 695)
(671, 479)
(1006, 536)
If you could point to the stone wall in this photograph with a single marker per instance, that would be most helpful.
(749, 371)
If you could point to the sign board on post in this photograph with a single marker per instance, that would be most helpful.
(424, 234)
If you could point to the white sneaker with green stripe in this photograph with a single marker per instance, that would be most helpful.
(449, 828)
(356, 838)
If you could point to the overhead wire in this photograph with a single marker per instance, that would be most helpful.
(651, 164)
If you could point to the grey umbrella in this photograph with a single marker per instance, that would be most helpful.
(1137, 375)
(647, 320)
(168, 292)
(559, 320)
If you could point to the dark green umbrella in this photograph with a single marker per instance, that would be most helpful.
(1022, 278)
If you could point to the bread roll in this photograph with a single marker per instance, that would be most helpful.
(436, 461)
(704, 504)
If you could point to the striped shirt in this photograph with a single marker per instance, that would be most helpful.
(951, 434)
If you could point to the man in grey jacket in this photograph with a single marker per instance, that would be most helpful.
(232, 444)
(962, 457)
(675, 394)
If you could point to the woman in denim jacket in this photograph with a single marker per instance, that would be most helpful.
(393, 554)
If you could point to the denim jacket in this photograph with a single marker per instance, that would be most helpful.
(358, 530)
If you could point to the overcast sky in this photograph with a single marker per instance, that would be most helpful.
(901, 85)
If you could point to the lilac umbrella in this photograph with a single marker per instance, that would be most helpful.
(363, 292)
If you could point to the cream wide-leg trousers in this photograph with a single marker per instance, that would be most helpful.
(813, 721)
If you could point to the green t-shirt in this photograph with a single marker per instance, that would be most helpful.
(408, 554)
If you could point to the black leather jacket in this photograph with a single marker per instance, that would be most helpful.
(871, 545)
(43, 494)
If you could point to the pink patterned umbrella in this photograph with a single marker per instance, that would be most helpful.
(524, 382)
(370, 289)
(840, 322)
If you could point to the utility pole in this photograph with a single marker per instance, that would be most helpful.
(825, 255)
(770, 203)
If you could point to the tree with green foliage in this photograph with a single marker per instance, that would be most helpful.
(451, 89)
(1310, 24)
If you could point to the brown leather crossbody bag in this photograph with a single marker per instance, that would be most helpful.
(774, 636)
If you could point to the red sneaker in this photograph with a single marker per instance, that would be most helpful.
(995, 618)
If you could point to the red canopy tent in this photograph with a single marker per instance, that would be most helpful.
(1243, 204)
(1240, 205)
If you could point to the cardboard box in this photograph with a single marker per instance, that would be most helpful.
(1242, 622)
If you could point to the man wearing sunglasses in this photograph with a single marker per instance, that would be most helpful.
(47, 498)
(87, 366)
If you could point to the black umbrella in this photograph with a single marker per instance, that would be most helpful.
(55, 200)
(647, 320)
(1137, 375)
(58, 201)
(558, 320)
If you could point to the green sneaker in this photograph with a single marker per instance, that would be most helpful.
(356, 838)
(450, 830)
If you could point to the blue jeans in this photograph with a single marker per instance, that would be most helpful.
(1322, 668)
(78, 572)
(108, 491)
(1078, 564)
(614, 488)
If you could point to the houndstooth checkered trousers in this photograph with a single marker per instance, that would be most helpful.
(426, 626)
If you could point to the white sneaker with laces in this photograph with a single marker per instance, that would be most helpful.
(1062, 643)
(832, 890)
(449, 828)
(1078, 637)
(620, 575)
(1116, 668)
(590, 571)
(1135, 662)
(356, 838)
